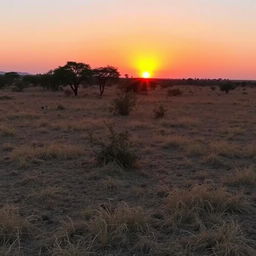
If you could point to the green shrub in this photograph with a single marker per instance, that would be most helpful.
(123, 104)
(116, 148)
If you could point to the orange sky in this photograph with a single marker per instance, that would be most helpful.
(185, 38)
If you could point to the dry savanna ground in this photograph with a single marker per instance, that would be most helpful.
(73, 183)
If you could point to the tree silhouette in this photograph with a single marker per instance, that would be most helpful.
(49, 81)
(2, 81)
(105, 76)
(11, 77)
(72, 74)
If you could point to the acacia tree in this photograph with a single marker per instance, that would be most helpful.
(73, 74)
(104, 76)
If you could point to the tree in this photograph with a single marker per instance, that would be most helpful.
(11, 77)
(2, 81)
(72, 74)
(33, 80)
(105, 76)
(49, 81)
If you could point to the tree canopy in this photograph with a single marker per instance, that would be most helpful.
(73, 74)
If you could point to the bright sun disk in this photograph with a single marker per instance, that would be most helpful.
(146, 74)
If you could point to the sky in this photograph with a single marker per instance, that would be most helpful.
(168, 38)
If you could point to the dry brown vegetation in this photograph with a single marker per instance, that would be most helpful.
(175, 177)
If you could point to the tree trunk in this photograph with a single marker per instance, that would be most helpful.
(102, 88)
(74, 89)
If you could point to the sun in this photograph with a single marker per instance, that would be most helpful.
(146, 74)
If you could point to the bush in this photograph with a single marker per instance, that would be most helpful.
(159, 112)
(227, 87)
(174, 92)
(123, 104)
(117, 148)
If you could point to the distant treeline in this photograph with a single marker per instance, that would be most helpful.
(73, 75)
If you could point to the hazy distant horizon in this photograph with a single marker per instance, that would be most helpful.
(175, 39)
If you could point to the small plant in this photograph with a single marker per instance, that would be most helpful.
(159, 112)
(117, 148)
(174, 92)
(123, 104)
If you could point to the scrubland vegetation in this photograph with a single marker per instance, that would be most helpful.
(150, 168)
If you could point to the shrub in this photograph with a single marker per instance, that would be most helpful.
(123, 104)
(159, 112)
(227, 87)
(117, 148)
(174, 92)
(19, 86)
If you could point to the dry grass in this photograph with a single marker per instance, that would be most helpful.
(214, 160)
(69, 126)
(195, 149)
(223, 148)
(185, 122)
(7, 147)
(23, 116)
(24, 155)
(115, 225)
(77, 207)
(227, 239)
(176, 141)
(69, 248)
(47, 194)
(242, 177)
(234, 131)
(12, 225)
(111, 183)
(7, 131)
(202, 204)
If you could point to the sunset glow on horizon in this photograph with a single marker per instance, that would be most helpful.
(165, 38)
